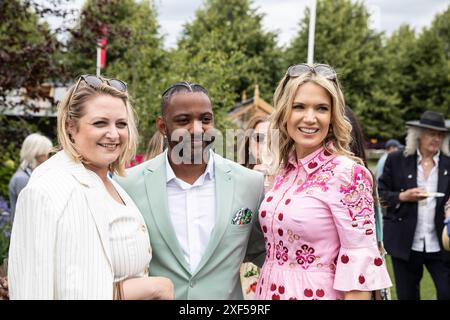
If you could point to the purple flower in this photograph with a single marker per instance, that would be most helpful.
(4, 206)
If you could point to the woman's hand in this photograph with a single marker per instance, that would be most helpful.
(4, 293)
(358, 295)
(148, 288)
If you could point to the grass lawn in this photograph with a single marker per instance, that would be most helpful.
(427, 290)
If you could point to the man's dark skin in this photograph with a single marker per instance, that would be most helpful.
(191, 111)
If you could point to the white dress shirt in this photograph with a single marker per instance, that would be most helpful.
(192, 210)
(425, 236)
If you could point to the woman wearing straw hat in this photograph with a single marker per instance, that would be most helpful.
(415, 185)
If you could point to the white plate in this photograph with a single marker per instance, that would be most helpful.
(434, 194)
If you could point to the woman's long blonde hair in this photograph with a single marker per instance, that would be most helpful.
(281, 145)
(72, 108)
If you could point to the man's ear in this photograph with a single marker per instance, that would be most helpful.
(161, 125)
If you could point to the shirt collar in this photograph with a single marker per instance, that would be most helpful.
(435, 157)
(209, 171)
(314, 160)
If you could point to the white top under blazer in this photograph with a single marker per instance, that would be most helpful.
(66, 232)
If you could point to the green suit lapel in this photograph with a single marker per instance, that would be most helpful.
(224, 198)
(155, 184)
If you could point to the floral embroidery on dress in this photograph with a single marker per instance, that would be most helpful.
(305, 256)
(358, 199)
(292, 236)
(282, 253)
(320, 178)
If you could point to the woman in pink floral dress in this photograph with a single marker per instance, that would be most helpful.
(318, 219)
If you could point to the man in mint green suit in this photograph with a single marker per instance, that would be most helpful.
(202, 216)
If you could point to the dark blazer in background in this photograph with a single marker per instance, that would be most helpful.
(399, 222)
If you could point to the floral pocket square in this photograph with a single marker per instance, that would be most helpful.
(242, 216)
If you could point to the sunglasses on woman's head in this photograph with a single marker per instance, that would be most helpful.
(321, 69)
(96, 82)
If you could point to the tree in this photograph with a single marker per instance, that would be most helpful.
(432, 69)
(344, 40)
(27, 60)
(134, 52)
(27, 48)
(401, 56)
(226, 49)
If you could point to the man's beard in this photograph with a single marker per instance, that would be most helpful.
(189, 149)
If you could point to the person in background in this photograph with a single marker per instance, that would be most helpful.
(254, 151)
(34, 151)
(391, 145)
(256, 132)
(201, 208)
(414, 186)
(156, 146)
(318, 218)
(77, 234)
(255, 145)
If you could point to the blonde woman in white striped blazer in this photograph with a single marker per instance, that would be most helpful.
(77, 234)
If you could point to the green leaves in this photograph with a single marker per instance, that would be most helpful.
(26, 47)
(225, 47)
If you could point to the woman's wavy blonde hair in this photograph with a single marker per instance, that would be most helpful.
(281, 145)
(72, 108)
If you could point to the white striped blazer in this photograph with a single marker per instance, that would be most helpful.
(60, 238)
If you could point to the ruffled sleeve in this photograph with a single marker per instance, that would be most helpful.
(359, 265)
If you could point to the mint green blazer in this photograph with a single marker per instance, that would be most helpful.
(217, 275)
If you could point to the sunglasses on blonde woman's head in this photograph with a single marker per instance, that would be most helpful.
(323, 70)
(95, 82)
(297, 70)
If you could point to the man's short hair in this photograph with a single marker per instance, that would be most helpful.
(183, 86)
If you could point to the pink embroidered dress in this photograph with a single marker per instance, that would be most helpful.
(318, 223)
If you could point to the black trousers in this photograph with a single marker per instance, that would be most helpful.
(409, 273)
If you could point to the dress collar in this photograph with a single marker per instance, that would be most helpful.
(314, 160)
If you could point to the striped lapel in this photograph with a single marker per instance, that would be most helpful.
(91, 189)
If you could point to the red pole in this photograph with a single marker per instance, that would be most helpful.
(101, 49)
